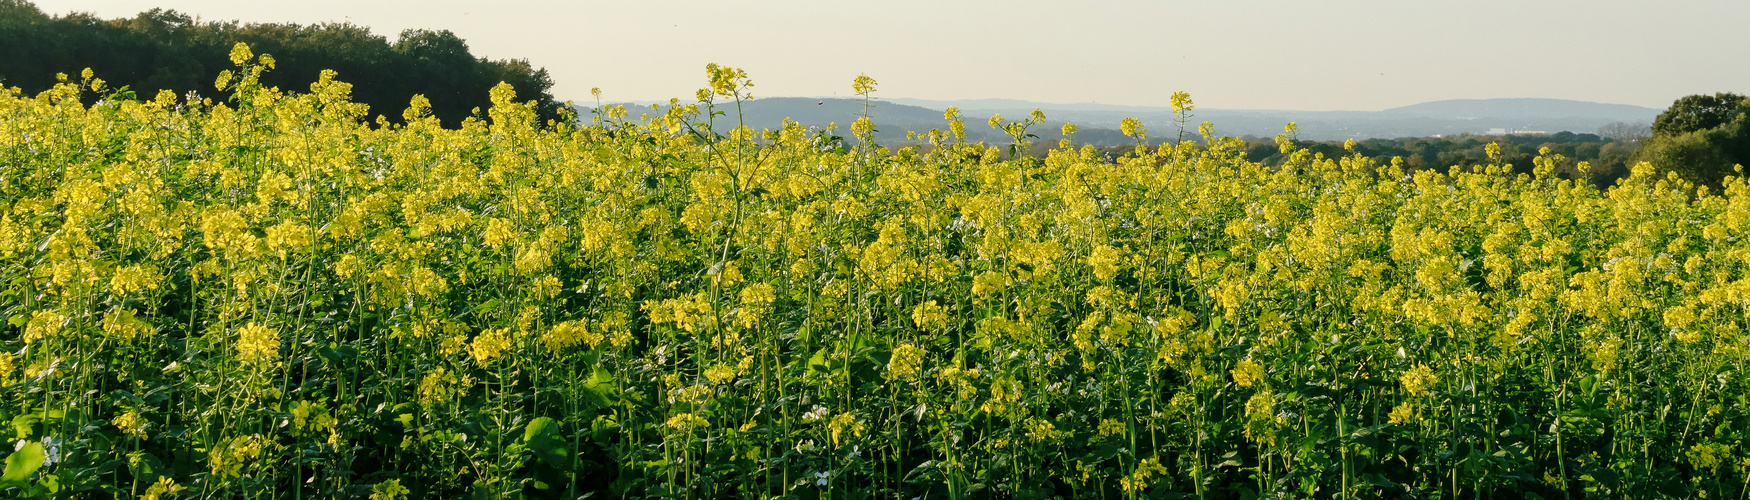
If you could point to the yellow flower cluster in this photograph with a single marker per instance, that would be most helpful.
(686, 422)
(1143, 476)
(257, 344)
(441, 386)
(164, 487)
(1419, 381)
(43, 324)
(131, 424)
(907, 362)
(490, 345)
(844, 425)
(929, 316)
(389, 490)
(231, 456)
(1249, 373)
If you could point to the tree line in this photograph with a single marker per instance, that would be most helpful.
(1609, 158)
(1702, 138)
(167, 50)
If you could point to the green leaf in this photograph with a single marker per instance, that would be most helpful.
(818, 361)
(486, 307)
(599, 387)
(17, 320)
(1104, 451)
(542, 437)
(25, 425)
(601, 381)
(145, 467)
(22, 463)
(1380, 481)
(1231, 459)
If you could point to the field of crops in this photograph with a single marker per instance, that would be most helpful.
(270, 294)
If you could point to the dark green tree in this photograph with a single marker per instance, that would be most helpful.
(1702, 138)
(167, 50)
(1698, 112)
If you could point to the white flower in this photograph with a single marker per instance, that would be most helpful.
(821, 477)
(51, 450)
(817, 413)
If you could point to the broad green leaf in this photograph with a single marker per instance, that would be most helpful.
(818, 361)
(25, 425)
(599, 387)
(22, 463)
(542, 437)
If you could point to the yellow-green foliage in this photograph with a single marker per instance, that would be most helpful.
(266, 295)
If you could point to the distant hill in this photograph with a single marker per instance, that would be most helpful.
(1527, 109)
(1013, 104)
(1456, 116)
(770, 112)
(892, 120)
(1099, 122)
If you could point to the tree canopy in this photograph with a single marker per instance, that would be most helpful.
(1702, 138)
(167, 50)
(1698, 112)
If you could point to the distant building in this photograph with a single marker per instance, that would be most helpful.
(1511, 131)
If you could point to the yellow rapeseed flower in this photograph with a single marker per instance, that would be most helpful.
(907, 362)
(843, 425)
(240, 53)
(929, 316)
(1249, 373)
(257, 344)
(686, 422)
(230, 457)
(164, 487)
(389, 490)
(131, 424)
(43, 324)
(489, 345)
(1130, 127)
(1419, 380)
(1181, 102)
(863, 85)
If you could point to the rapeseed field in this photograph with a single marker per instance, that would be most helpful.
(278, 294)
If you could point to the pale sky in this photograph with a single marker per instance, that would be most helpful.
(1229, 54)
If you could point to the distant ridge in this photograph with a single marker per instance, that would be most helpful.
(895, 116)
(1016, 104)
(1527, 108)
(771, 112)
(1452, 116)
(1512, 107)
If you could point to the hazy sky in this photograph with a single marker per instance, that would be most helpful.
(1275, 54)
